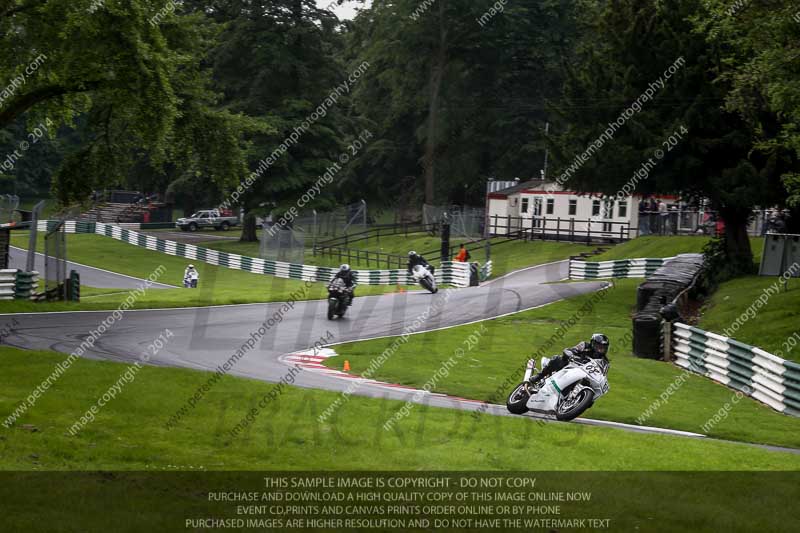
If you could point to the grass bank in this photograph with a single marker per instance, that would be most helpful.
(218, 285)
(635, 383)
(129, 432)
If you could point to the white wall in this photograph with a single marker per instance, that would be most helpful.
(561, 203)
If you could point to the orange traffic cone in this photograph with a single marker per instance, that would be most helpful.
(346, 365)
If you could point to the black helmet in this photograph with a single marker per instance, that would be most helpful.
(344, 268)
(599, 344)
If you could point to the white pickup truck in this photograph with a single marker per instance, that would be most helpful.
(210, 218)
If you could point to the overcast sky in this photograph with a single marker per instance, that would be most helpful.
(346, 11)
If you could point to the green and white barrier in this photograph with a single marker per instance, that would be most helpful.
(621, 268)
(750, 370)
(8, 284)
(450, 273)
(18, 285)
(70, 226)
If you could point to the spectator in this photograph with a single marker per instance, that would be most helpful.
(652, 209)
(463, 255)
(644, 223)
(663, 213)
(673, 219)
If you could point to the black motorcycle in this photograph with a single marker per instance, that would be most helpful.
(339, 296)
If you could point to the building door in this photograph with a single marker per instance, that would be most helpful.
(537, 212)
(608, 215)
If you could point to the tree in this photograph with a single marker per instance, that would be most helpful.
(140, 86)
(759, 55)
(457, 94)
(717, 159)
(278, 61)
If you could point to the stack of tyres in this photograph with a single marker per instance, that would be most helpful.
(662, 287)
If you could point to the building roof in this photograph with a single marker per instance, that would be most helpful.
(521, 186)
(540, 186)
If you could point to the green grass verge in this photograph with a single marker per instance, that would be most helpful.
(218, 285)
(769, 327)
(635, 383)
(667, 246)
(129, 432)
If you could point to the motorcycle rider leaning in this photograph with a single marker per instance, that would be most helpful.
(596, 348)
(346, 274)
(415, 259)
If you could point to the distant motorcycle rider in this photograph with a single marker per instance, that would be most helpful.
(415, 259)
(596, 348)
(346, 274)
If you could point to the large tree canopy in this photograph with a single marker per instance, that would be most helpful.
(139, 84)
(633, 45)
(204, 98)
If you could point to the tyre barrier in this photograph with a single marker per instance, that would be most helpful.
(744, 368)
(18, 285)
(450, 273)
(8, 284)
(668, 284)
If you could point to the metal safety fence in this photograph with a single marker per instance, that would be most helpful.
(451, 273)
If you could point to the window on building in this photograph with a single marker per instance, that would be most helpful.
(595, 208)
(573, 207)
(525, 205)
(551, 205)
(622, 210)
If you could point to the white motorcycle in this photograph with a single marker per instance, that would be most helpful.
(565, 394)
(424, 277)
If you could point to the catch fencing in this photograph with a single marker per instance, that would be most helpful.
(748, 369)
(450, 273)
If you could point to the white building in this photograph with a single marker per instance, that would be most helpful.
(546, 208)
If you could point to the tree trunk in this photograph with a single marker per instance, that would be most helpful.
(737, 241)
(436, 74)
(249, 230)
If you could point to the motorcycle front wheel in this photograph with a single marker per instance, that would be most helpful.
(518, 399)
(573, 405)
(331, 309)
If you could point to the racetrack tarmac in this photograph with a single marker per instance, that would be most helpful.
(205, 338)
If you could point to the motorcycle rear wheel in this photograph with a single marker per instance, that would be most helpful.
(518, 399)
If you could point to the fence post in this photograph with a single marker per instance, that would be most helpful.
(589, 232)
(667, 336)
(558, 229)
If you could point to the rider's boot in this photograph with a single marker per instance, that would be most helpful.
(533, 380)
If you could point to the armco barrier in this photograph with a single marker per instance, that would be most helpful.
(622, 268)
(754, 372)
(450, 273)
